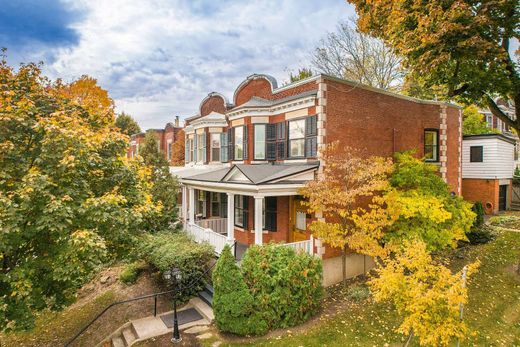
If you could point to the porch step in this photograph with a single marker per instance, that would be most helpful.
(206, 297)
(209, 288)
(129, 335)
(117, 341)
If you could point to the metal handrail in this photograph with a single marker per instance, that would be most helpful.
(155, 295)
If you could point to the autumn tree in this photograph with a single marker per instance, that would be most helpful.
(425, 293)
(350, 54)
(69, 199)
(423, 207)
(473, 122)
(179, 149)
(352, 218)
(126, 124)
(165, 188)
(461, 46)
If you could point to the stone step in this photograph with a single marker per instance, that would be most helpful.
(206, 297)
(209, 288)
(203, 308)
(129, 335)
(117, 341)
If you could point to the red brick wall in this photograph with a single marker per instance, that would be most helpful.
(214, 103)
(380, 124)
(485, 191)
(454, 149)
(259, 87)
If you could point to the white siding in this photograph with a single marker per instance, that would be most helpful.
(498, 161)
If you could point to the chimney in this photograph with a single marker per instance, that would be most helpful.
(176, 121)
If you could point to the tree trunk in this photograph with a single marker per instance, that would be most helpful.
(344, 265)
(410, 337)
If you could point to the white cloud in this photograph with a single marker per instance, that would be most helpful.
(160, 58)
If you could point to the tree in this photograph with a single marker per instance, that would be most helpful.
(422, 207)
(345, 197)
(165, 188)
(233, 303)
(425, 293)
(68, 197)
(350, 54)
(302, 74)
(460, 45)
(127, 124)
(474, 123)
(178, 149)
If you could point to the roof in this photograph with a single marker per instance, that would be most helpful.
(255, 173)
(261, 102)
(489, 136)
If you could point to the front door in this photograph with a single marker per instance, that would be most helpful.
(297, 220)
(502, 195)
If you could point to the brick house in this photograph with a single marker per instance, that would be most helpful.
(246, 159)
(165, 139)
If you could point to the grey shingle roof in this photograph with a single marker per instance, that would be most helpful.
(257, 173)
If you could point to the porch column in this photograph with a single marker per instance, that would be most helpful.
(191, 218)
(230, 218)
(184, 204)
(258, 219)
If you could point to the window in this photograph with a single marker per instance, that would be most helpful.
(259, 142)
(215, 204)
(301, 220)
(224, 147)
(201, 204)
(241, 211)
(476, 154)
(269, 213)
(431, 145)
(489, 120)
(201, 147)
(239, 143)
(215, 147)
(191, 149)
(169, 150)
(297, 138)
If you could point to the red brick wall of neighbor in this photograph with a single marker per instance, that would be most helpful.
(214, 103)
(484, 190)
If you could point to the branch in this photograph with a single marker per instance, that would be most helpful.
(454, 92)
(493, 107)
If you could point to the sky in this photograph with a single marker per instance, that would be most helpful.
(159, 58)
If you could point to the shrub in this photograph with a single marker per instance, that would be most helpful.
(479, 211)
(358, 293)
(130, 272)
(516, 176)
(286, 286)
(166, 250)
(232, 302)
(482, 234)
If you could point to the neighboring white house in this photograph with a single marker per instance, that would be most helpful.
(488, 162)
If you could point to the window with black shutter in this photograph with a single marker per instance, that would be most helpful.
(270, 139)
(246, 143)
(280, 141)
(476, 154)
(231, 148)
(270, 213)
(311, 136)
(241, 211)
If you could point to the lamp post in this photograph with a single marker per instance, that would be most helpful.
(175, 275)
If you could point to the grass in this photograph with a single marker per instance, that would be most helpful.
(492, 315)
(55, 328)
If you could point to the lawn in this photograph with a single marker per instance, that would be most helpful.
(493, 313)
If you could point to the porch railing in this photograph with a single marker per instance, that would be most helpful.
(201, 234)
(218, 225)
(306, 246)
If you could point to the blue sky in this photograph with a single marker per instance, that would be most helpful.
(159, 58)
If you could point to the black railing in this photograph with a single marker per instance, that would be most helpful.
(154, 295)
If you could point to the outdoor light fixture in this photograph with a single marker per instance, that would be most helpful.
(175, 275)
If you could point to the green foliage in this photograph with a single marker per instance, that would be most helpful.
(286, 286)
(505, 221)
(516, 176)
(302, 74)
(478, 209)
(165, 188)
(166, 250)
(233, 303)
(69, 199)
(130, 272)
(358, 293)
(474, 123)
(423, 206)
(481, 234)
(127, 124)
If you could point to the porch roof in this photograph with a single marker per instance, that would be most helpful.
(258, 174)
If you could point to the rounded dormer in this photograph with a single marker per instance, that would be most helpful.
(259, 85)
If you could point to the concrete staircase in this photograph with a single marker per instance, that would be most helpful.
(206, 295)
(148, 327)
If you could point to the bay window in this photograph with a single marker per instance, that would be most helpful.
(239, 143)
(297, 138)
(215, 147)
(259, 148)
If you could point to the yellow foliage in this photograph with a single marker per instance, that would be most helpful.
(425, 292)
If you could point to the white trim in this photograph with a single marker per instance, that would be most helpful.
(288, 106)
(246, 189)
